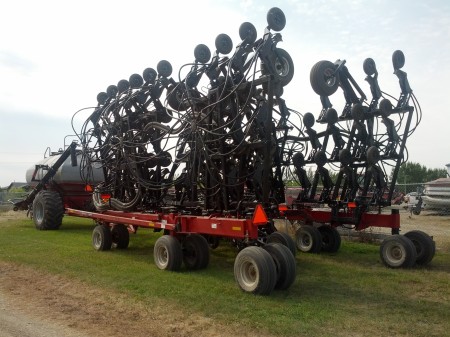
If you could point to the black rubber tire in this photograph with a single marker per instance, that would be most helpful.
(385, 106)
(331, 116)
(112, 91)
(149, 75)
(398, 59)
(213, 241)
(48, 210)
(120, 236)
(195, 252)
(223, 43)
(247, 32)
(320, 158)
(136, 81)
(164, 68)
(284, 67)
(323, 78)
(308, 120)
(276, 19)
(284, 239)
(202, 53)
(331, 239)
(123, 85)
(373, 155)
(255, 271)
(397, 251)
(175, 97)
(102, 97)
(369, 66)
(285, 264)
(167, 253)
(416, 210)
(345, 157)
(308, 239)
(101, 238)
(357, 112)
(424, 244)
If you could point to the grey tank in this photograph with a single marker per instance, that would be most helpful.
(65, 174)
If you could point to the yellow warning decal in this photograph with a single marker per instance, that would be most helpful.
(235, 228)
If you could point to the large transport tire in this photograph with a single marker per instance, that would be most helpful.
(255, 271)
(120, 236)
(195, 252)
(48, 210)
(424, 244)
(308, 239)
(323, 78)
(167, 253)
(285, 264)
(397, 251)
(102, 238)
(284, 239)
(331, 239)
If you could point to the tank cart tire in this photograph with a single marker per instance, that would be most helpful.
(102, 238)
(255, 271)
(331, 239)
(285, 264)
(424, 244)
(323, 78)
(167, 253)
(308, 239)
(195, 252)
(120, 236)
(48, 210)
(398, 251)
(284, 239)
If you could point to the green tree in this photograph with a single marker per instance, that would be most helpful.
(416, 173)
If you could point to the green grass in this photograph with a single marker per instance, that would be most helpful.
(342, 294)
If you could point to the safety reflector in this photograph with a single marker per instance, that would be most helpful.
(259, 216)
(105, 197)
(88, 188)
(282, 207)
(351, 205)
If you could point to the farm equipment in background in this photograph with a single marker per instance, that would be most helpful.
(56, 185)
(203, 156)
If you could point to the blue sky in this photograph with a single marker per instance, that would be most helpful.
(55, 56)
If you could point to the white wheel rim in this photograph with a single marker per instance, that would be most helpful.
(249, 275)
(395, 254)
(97, 240)
(304, 242)
(162, 257)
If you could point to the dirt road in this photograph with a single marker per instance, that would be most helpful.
(36, 304)
(16, 323)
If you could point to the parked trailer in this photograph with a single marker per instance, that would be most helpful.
(266, 263)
